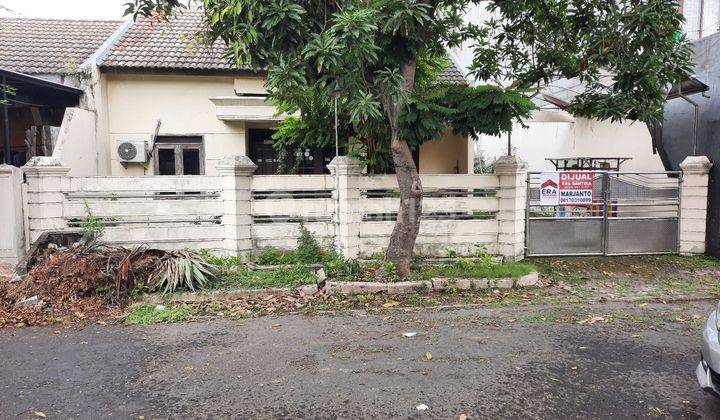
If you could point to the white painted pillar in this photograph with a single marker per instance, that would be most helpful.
(45, 178)
(12, 233)
(693, 204)
(349, 212)
(236, 196)
(512, 196)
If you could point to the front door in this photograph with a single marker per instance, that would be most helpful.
(262, 151)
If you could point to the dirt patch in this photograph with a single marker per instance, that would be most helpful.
(574, 269)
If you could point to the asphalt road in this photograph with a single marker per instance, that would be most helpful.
(486, 363)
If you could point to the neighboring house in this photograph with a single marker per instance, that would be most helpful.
(702, 17)
(191, 107)
(40, 59)
(553, 133)
(683, 135)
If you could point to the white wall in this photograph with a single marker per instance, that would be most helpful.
(586, 138)
(135, 102)
(131, 105)
(11, 215)
(710, 15)
(76, 144)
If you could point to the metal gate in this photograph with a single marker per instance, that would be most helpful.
(631, 213)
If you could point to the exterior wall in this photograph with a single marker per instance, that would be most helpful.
(76, 144)
(587, 138)
(445, 156)
(693, 27)
(136, 102)
(11, 215)
(130, 106)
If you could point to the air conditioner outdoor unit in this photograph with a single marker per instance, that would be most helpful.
(132, 151)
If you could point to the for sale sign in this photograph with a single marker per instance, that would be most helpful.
(566, 188)
(549, 189)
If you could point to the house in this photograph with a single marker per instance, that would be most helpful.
(40, 61)
(188, 107)
(553, 133)
(702, 17)
(690, 128)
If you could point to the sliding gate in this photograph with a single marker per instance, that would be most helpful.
(629, 213)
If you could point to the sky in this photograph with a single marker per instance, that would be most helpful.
(64, 9)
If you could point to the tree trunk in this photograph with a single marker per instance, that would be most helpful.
(407, 226)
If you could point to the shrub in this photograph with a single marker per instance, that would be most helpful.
(308, 250)
(183, 270)
(93, 227)
(338, 268)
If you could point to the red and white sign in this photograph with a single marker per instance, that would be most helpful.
(566, 188)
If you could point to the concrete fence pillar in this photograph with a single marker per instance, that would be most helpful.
(45, 176)
(693, 204)
(348, 212)
(12, 233)
(512, 196)
(236, 196)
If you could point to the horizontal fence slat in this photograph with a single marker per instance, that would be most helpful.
(123, 208)
(119, 184)
(291, 230)
(432, 204)
(294, 207)
(178, 234)
(460, 181)
(437, 228)
(457, 181)
(292, 182)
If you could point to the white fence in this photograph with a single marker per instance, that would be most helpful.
(12, 235)
(459, 213)
(239, 213)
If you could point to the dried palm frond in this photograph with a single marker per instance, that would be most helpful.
(183, 270)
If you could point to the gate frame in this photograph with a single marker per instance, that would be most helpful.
(605, 231)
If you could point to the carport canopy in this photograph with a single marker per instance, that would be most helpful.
(19, 90)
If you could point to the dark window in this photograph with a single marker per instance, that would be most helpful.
(309, 160)
(166, 161)
(176, 155)
(191, 161)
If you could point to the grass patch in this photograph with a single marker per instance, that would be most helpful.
(150, 314)
(477, 270)
(281, 277)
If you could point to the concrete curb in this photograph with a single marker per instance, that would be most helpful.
(350, 288)
(200, 297)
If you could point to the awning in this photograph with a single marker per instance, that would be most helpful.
(33, 91)
(19, 90)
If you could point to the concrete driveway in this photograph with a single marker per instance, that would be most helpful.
(484, 363)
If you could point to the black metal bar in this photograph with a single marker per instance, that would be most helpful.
(6, 122)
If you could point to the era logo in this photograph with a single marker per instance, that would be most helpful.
(549, 187)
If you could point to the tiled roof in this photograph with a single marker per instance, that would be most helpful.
(155, 45)
(152, 44)
(50, 46)
(453, 74)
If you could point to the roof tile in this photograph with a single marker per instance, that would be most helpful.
(152, 44)
(50, 46)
